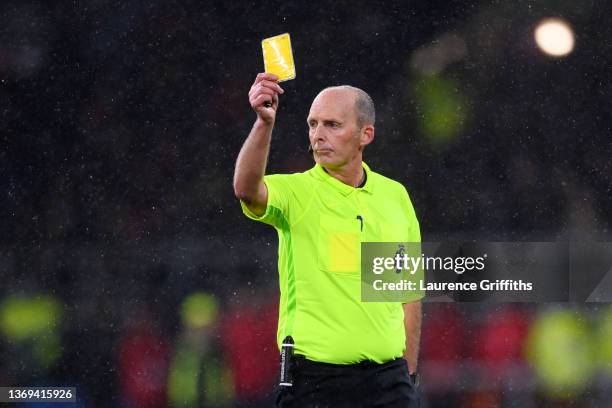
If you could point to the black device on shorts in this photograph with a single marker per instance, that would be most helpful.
(286, 360)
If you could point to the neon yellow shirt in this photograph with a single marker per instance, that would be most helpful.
(321, 223)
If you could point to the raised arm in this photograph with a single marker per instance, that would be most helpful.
(251, 163)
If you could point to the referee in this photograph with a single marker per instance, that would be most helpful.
(346, 353)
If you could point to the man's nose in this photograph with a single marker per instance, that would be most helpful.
(317, 133)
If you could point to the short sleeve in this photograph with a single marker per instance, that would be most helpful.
(277, 208)
(414, 237)
(415, 230)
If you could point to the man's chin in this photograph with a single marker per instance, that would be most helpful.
(326, 162)
(323, 160)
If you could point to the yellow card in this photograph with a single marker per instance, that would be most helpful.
(278, 57)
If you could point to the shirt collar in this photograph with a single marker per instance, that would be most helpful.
(345, 189)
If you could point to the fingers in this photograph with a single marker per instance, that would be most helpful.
(264, 92)
(265, 76)
(274, 102)
(272, 85)
(261, 99)
(263, 88)
(266, 86)
(268, 80)
(257, 98)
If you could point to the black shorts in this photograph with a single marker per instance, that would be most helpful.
(364, 385)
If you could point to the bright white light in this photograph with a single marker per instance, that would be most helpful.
(554, 37)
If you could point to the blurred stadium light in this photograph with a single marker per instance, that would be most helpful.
(442, 109)
(33, 324)
(554, 37)
(433, 58)
(560, 349)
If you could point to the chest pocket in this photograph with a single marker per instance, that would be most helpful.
(339, 245)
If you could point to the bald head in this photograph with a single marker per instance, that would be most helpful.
(364, 105)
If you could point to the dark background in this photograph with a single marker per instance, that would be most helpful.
(120, 123)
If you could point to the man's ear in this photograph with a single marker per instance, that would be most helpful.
(367, 135)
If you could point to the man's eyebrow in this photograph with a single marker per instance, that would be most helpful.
(328, 120)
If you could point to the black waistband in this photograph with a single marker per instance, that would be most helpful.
(300, 363)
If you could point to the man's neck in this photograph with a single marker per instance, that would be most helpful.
(352, 174)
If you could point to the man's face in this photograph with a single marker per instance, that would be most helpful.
(332, 128)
